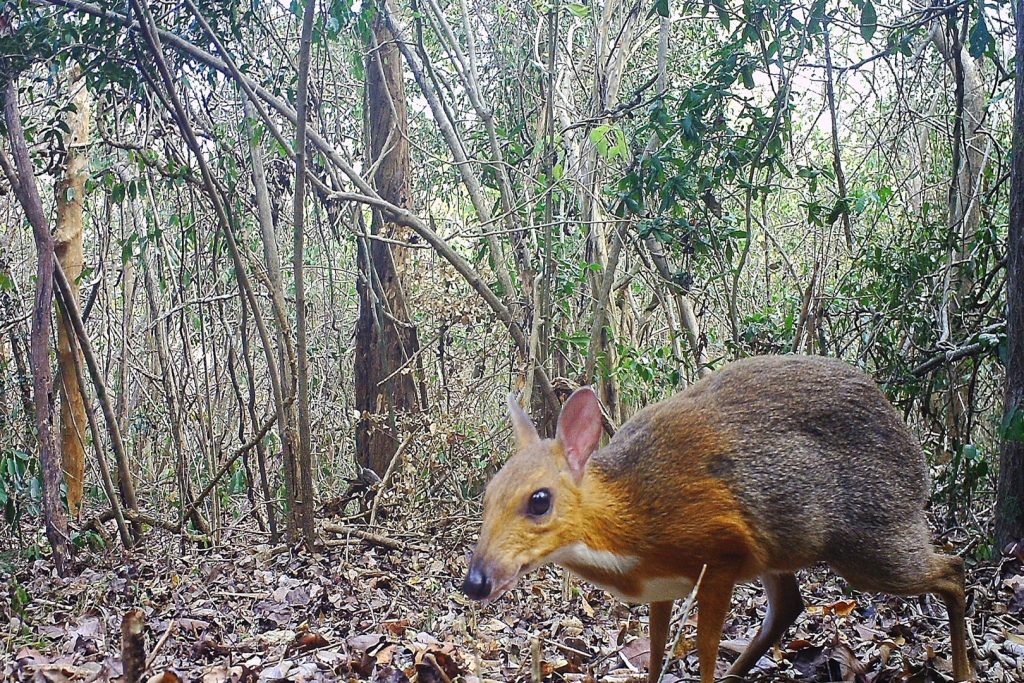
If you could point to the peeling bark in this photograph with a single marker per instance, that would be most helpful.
(68, 246)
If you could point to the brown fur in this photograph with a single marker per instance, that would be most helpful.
(769, 465)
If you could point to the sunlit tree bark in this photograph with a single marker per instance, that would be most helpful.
(69, 249)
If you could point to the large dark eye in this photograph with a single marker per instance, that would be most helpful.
(539, 503)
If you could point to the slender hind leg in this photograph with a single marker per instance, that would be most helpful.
(784, 606)
(947, 581)
(941, 575)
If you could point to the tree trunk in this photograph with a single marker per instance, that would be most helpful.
(286, 417)
(125, 485)
(69, 249)
(969, 158)
(39, 349)
(107, 481)
(386, 340)
(302, 503)
(1010, 496)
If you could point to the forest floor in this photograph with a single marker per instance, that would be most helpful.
(360, 611)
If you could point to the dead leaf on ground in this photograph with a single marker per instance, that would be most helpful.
(308, 640)
(167, 676)
(637, 652)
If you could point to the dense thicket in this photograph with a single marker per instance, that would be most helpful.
(484, 196)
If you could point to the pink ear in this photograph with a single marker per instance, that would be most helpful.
(526, 433)
(579, 428)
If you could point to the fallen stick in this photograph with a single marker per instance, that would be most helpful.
(371, 538)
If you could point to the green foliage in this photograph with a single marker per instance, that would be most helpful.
(660, 8)
(578, 10)
(89, 539)
(239, 482)
(868, 21)
(720, 132)
(1012, 427)
(980, 40)
(610, 142)
(772, 330)
(646, 372)
(21, 485)
(19, 597)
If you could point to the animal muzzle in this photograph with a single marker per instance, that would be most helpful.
(477, 584)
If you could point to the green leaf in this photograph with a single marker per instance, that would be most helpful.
(598, 139)
(128, 248)
(747, 74)
(610, 142)
(621, 147)
(980, 38)
(868, 21)
(357, 64)
(238, 481)
(838, 210)
(661, 8)
(578, 10)
(817, 13)
(580, 340)
(19, 598)
(723, 14)
(1012, 428)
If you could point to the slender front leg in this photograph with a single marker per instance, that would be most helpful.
(661, 612)
(713, 598)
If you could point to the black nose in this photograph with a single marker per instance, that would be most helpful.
(477, 584)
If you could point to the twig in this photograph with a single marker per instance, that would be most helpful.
(14, 322)
(239, 452)
(565, 648)
(387, 477)
(955, 354)
(160, 643)
(687, 608)
(535, 660)
(143, 518)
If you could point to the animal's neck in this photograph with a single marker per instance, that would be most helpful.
(606, 521)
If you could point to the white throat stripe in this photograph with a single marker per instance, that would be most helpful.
(581, 554)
